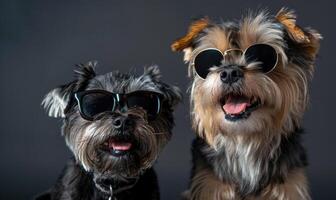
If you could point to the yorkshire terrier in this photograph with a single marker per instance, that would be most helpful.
(248, 95)
(115, 125)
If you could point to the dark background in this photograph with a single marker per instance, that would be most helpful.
(40, 41)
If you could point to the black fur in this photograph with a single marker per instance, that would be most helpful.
(76, 183)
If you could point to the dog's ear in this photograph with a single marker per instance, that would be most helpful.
(153, 72)
(306, 40)
(59, 100)
(172, 94)
(56, 101)
(186, 43)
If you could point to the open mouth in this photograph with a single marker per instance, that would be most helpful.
(237, 107)
(118, 146)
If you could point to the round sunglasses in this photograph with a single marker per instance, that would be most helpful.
(264, 54)
(94, 102)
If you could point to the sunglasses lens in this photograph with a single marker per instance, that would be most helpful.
(263, 53)
(93, 104)
(207, 59)
(148, 101)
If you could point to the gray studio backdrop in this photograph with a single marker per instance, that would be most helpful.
(41, 41)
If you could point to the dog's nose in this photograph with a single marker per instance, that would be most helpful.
(231, 74)
(118, 122)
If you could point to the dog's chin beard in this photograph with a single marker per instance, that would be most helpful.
(119, 157)
(237, 107)
(125, 154)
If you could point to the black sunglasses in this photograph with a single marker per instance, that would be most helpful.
(264, 54)
(94, 102)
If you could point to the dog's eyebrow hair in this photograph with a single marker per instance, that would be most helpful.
(97, 82)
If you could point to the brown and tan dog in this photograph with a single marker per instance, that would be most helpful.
(248, 96)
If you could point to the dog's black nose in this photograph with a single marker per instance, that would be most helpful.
(119, 122)
(231, 74)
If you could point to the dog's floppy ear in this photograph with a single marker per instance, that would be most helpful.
(186, 42)
(308, 40)
(59, 100)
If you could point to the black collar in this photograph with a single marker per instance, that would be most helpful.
(112, 186)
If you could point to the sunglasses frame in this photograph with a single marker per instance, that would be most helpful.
(118, 98)
(235, 49)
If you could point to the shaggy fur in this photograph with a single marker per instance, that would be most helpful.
(260, 157)
(93, 171)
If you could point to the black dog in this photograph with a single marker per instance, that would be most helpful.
(116, 125)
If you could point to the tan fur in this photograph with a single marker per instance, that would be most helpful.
(288, 19)
(218, 38)
(294, 187)
(307, 37)
(206, 186)
(283, 92)
(194, 29)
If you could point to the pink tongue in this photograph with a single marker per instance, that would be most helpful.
(235, 105)
(120, 146)
(234, 108)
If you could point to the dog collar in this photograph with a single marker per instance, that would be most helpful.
(113, 187)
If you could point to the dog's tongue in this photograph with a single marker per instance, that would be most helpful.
(235, 105)
(120, 146)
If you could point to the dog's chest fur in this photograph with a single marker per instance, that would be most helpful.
(237, 162)
(248, 166)
(74, 183)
